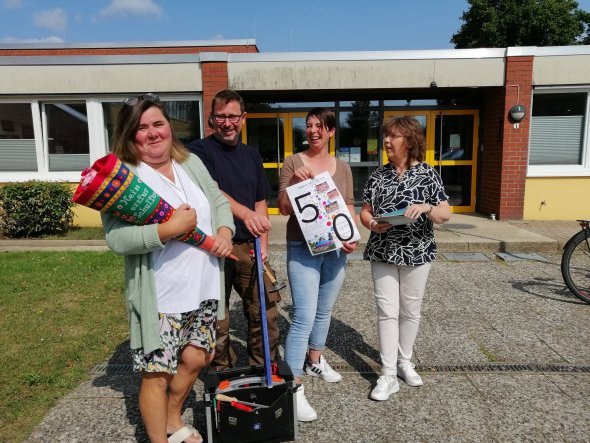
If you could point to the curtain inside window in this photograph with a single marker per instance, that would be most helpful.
(556, 140)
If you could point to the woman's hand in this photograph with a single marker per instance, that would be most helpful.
(222, 246)
(416, 210)
(370, 223)
(379, 228)
(183, 220)
(301, 174)
(349, 247)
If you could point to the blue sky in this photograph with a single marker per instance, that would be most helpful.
(276, 25)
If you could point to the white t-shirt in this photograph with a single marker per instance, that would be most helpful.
(183, 272)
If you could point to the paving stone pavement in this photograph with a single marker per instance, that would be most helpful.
(477, 318)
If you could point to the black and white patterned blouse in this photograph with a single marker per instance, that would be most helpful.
(412, 244)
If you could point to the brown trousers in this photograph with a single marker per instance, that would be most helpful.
(242, 277)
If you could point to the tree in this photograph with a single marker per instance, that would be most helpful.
(504, 23)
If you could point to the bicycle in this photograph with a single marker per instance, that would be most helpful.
(575, 262)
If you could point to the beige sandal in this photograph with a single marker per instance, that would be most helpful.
(183, 433)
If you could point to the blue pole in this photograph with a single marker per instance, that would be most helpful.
(262, 297)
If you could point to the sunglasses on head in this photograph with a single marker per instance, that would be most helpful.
(149, 97)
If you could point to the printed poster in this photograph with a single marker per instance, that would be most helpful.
(322, 214)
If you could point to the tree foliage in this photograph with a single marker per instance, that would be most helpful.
(504, 23)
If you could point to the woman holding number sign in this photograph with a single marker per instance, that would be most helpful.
(315, 280)
(401, 255)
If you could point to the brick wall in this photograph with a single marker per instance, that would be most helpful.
(127, 51)
(519, 72)
(215, 79)
(503, 163)
(490, 160)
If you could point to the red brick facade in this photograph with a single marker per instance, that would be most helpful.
(505, 148)
(127, 51)
(490, 160)
(214, 80)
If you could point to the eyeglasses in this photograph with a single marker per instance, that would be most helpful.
(220, 118)
(392, 136)
(149, 97)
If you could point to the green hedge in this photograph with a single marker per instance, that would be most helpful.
(35, 209)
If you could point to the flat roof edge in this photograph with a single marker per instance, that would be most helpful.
(547, 50)
(370, 55)
(146, 44)
(148, 59)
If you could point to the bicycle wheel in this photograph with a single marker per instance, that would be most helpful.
(575, 265)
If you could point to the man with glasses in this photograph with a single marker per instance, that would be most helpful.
(238, 170)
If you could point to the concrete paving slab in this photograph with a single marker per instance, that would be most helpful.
(513, 256)
(465, 256)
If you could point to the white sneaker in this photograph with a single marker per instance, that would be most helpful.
(304, 410)
(408, 373)
(386, 385)
(322, 370)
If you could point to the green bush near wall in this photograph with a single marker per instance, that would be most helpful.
(35, 209)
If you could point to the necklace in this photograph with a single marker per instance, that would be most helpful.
(177, 179)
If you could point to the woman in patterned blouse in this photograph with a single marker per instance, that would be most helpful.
(401, 256)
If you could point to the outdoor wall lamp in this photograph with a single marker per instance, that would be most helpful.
(517, 113)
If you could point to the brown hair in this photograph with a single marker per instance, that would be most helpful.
(410, 128)
(123, 145)
(324, 115)
(226, 96)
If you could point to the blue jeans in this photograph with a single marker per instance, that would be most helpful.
(315, 283)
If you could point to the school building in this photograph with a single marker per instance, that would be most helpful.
(507, 128)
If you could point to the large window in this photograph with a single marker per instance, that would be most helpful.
(17, 138)
(67, 142)
(559, 128)
(57, 138)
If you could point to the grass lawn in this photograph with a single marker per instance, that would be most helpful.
(61, 313)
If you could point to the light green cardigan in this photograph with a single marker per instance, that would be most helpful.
(136, 243)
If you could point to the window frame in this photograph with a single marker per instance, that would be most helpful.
(97, 133)
(564, 170)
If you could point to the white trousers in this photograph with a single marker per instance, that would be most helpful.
(398, 291)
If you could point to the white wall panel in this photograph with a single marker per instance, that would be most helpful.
(362, 74)
(88, 79)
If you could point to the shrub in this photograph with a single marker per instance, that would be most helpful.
(35, 209)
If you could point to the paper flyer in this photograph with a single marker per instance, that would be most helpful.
(322, 214)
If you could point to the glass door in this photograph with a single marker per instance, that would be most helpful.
(358, 145)
(266, 133)
(451, 147)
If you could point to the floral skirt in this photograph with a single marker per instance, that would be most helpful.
(195, 328)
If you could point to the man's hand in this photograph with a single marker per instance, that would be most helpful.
(257, 223)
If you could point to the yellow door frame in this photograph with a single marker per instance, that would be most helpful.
(287, 142)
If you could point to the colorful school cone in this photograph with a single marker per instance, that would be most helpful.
(109, 186)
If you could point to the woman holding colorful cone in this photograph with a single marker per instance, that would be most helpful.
(172, 300)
